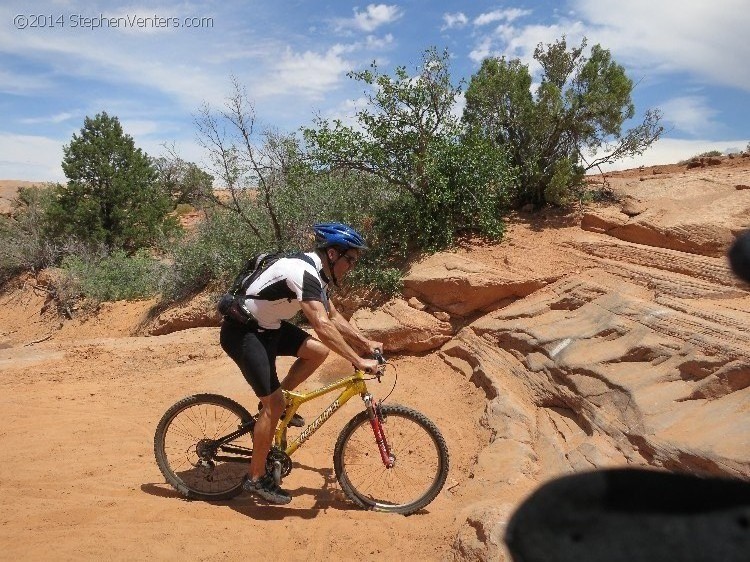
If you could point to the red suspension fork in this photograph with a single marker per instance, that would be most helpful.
(377, 429)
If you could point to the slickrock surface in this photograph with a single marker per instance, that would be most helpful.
(613, 336)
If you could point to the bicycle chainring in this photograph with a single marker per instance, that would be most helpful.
(283, 459)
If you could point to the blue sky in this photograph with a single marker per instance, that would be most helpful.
(61, 61)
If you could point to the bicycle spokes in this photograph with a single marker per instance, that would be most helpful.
(407, 471)
(203, 446)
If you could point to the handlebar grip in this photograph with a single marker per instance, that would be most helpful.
(378, 356)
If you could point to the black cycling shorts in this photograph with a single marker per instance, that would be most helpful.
(255, 351)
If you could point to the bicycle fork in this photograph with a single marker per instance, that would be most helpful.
(376, 422)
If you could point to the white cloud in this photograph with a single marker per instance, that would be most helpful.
(690, 114)
(139, 127)
(672, 151)
(57, 118)
(459, 104)
(519, 42)
(650, 38)
(32, 158)
(709, 39)
(116, 58)
(13, 83)
(373, 17)
(513, 41)
(457, 20)
(500, 15)
(308, 73)
(377, 43)
(482, 50)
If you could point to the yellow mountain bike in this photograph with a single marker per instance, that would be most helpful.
(387, 458)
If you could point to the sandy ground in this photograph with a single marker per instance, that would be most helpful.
(79, 479)
(81, 400)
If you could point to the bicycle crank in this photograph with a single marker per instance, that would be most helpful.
(277, 472)
(278, 464)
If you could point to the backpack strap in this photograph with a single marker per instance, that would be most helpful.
(254, 267)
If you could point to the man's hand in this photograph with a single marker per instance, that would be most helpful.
(367, 365)
(374, 346)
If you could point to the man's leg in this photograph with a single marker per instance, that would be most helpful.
(255, 358)
(310, 356)
(265, 425)
(260, 483)
(255, 355)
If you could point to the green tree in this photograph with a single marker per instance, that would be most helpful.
(23, 245)
(405, 118)
(443, 182)
(571, 124)
(183, 181)
(273, 188)
(273, 194)
(112, 196)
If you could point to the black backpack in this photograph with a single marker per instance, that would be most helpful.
(232, 303)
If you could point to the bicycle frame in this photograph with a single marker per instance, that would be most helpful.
(352, 385)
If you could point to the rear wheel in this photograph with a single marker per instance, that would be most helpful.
(419, 470)
(187, 452)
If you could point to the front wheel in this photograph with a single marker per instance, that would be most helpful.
(418, 471)
(193, 451)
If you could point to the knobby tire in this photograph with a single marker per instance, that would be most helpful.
(421, 465)
(188, 423)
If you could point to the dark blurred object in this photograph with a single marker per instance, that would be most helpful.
(627, 515)
(739, 258)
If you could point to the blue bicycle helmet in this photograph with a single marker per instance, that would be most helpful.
(339, 235)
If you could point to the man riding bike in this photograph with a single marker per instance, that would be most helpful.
(292, 283)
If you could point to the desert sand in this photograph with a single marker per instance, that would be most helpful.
(81, 399)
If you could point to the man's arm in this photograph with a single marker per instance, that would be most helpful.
(329, 334)
(352, 335)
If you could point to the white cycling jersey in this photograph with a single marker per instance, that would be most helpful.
(278, 291)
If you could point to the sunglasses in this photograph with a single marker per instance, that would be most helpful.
(351, 260)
